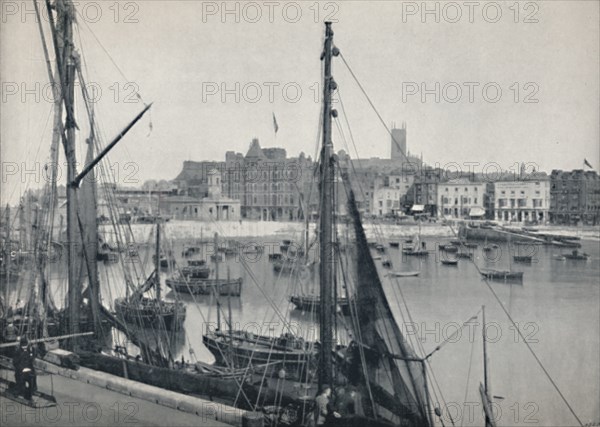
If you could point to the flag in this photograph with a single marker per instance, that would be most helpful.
(275, 125)
(586, 163)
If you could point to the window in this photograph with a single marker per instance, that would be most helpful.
(475, 200)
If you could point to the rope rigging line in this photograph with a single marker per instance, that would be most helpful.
(380, 239)
(469, 372)
(565, 401)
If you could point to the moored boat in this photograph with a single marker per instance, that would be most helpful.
(576, 255)
(523, 259)
(232, 287)
(404, 273)
(195, 272)
(503, 276)
(151, 313)
(310, 303)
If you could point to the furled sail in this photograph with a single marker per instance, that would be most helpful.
(394, 374)
(87, 218)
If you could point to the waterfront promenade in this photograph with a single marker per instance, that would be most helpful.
(83, 404)
(196, 230)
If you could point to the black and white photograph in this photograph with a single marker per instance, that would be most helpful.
(300, 213)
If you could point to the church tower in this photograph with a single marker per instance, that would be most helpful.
(398, 143)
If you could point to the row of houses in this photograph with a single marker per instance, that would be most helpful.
(563, 197)
(264, 184)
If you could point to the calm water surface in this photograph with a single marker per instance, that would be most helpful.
(557, 308)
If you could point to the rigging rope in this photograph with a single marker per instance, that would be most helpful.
(538, 361)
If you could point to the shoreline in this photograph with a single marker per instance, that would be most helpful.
(199, 230)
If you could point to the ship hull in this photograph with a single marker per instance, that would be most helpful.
(206, 286)
(311, 304)
(147, 315)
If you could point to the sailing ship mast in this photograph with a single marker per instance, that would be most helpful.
(157, 263)
(484, 389)
(66, 66)
(326, 272)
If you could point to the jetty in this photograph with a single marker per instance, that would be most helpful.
(88, 397)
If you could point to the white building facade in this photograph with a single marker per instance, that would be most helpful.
(388, 194)
(522, 201)
(461, 198)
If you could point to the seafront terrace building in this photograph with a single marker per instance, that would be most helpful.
(461, 198)
(574, 197)
(526, 199)
(389, 192)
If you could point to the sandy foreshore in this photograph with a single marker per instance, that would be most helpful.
(197, 230)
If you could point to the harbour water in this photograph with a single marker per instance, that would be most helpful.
(556, 309)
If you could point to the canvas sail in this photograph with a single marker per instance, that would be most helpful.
(395, 375)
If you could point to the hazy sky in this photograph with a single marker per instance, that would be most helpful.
(182, 55)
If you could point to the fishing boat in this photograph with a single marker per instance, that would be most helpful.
(576, 256)
(503, 276)
(527, 243)
(209, 286)
(167, 261)
(417, 248)
(449, 248)
(244, 350)
(489, 248)
(404, 273)
(275, 257)
(151, 312)
(415, 252)
(218, 257)
(453, 262)
(523, 259)
(287, 265)
(310, 303)
(191, 251)
(195, 271)
(389, 379)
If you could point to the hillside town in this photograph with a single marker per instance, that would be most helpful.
(264, 184)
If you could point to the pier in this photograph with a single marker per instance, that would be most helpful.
(86, 397)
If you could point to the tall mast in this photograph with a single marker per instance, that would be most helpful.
(158, 260)
(484, 389)
(215, 288)
(326, 221)
(486, 383)
(7, 252)
(62, 35)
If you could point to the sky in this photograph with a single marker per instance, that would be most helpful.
(476, 83)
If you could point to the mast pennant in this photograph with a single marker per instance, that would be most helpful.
(275, 125)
